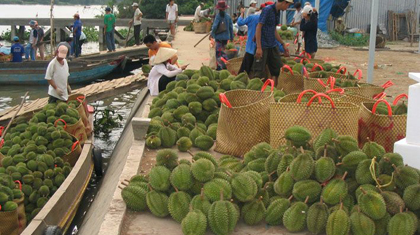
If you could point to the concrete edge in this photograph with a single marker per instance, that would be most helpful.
(114, 218)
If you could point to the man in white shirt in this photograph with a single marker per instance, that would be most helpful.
(172, 16)
(57, 76)
(252, 8)
(197, 14)
(137, 22)
(297, 18)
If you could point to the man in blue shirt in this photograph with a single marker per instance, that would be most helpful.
(252, 21)
(77, 31)
(266, 36)
(17, 50)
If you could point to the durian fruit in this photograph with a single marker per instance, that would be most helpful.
(195, 223)
(373, 149)
(203, 170)
(184, 144)
(363, 174)
(335, 190)
(381, 225)
(179, 205)
(351, 160)
(338, 223)
(394, 203)
(134, 197)
(201, 202)
(159, 178)
(346, 144)
(388, 160)
(283, 186)
(167, 158)
(317, 218)
(307, 188)
(405, 176)
(272, 162)
(372, 204)
(181, 177)
(275, 211)
(244, 187)
(222, 217)
(157, 203)
(212, 189)
(253, 212)
(302, 166)
(412, 197)
(324, 168)
(298, 136)
(401, 223)
(294, 218)
(284, 163)
(325, 138)
(361, 224)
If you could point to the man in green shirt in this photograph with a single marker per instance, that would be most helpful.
(109, 21)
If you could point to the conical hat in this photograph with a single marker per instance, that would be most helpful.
(163, 55)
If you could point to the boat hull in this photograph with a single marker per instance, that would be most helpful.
(34, 74)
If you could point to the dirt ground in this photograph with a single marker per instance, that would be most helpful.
(393, 64)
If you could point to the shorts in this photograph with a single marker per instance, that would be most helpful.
(299, 37)
(247, 62)
(271, 58)
(171, 21)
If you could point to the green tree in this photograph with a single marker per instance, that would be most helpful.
(153, 9)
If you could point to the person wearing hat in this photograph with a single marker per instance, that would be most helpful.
(153, 45)
(136, 21)
(40, 41)
(67, 43)
(17, 50)
(252, 8)
(77, 32)
(164, 71)
(109, 22)
(197, 14)
(340, 27)
(31, 45)
(222, 31)
(172, 16)
(309, 26)
(57, 76)
(267, 52)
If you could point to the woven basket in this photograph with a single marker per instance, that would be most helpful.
(200, 27)
(383, 129)
(290, 82)
(243, 120)
(234, 65)
(313, 81)
(340, 116)
(367, 90)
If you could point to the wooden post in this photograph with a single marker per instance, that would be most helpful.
(13, 32)
(372, 40)
(101, 39)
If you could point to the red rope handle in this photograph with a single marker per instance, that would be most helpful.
(387, 104)
(398, 98)
(80, 98)
(287, 67)
(74, 145)
(319, 95)
(224, 100)
(338, 90)
(344, 69)
(20, 184)
(387, 84)
(269, 81)
(379, 96)
(299, 99)
(60, 120)
(359, 72)
(317, 66)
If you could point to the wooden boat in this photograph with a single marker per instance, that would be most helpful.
(62, 206)
(33, 72)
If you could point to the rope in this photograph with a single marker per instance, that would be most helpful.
(373, 174)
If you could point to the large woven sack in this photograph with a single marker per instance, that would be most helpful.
(77, 129)
(9, 222)
(243, 120)
(382, 129)
(314, 82)
(200, 27)
(234, 65)
(21, 210)
(73, 156)
(82, 109)
(290, 82)
(368, 90)
(349, 98)
(290, 111)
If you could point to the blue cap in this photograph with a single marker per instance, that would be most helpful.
(32, 22)
(107, 9)
(15, 38)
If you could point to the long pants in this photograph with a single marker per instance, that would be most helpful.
(29, 52)
(163, 82)
(220, 53)
(137, 29)
(76, 46)
(110, 41)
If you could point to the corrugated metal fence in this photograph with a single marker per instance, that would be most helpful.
(359, 12)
